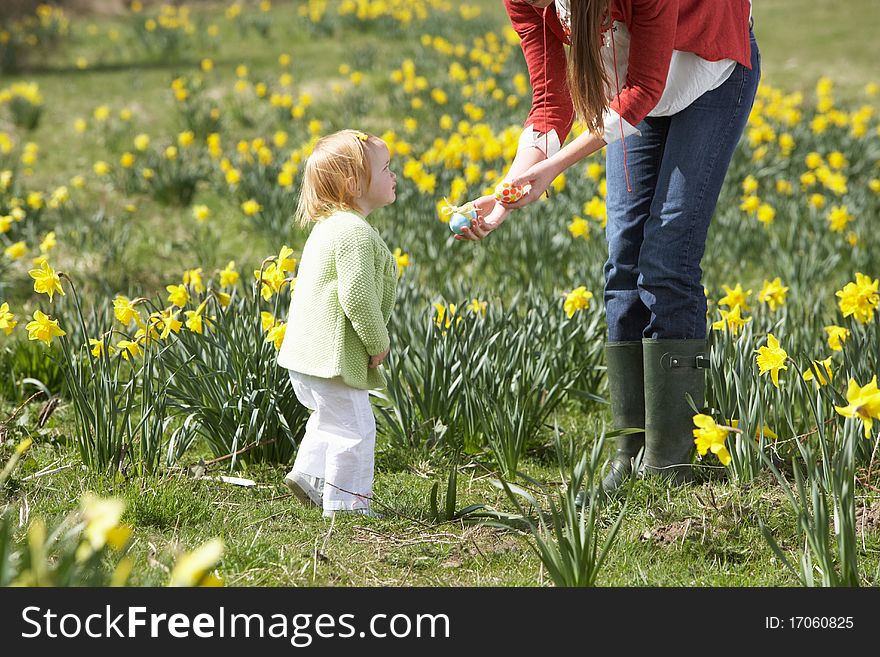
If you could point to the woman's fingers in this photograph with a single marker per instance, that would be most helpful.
(476, 232)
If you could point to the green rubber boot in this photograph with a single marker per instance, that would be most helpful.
(626, 387)
(673, 368)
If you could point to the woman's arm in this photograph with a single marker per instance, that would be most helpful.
(551, 109)
(544, 53)
(542, 174)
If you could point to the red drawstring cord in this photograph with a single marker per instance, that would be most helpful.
(617, 85)
(546, 88)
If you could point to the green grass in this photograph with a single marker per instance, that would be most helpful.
(704, 535)
(802, 40)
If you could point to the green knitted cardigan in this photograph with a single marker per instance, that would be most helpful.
(341, 303)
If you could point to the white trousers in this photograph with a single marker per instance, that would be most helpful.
(339, 442)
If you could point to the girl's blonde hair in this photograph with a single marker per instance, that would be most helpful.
(335, 172)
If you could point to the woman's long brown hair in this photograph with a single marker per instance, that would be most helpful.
(587, 78)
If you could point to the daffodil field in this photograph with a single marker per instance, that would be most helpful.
(149, 169)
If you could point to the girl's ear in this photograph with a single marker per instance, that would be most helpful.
(354, 189)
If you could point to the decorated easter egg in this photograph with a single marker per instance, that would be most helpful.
(460, 220)
(507, 193)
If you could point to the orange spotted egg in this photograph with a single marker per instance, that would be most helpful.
(507, 193)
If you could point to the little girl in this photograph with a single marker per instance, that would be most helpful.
(337, 332)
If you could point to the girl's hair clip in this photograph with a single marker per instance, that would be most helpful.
(363, 136)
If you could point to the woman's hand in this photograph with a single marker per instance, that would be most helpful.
(376, 360)
(490, 215)
(538, 178)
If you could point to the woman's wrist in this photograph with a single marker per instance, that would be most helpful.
(584, 145)
(525, 159)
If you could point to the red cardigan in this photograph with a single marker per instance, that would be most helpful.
(712, 29)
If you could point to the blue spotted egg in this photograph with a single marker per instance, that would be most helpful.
(458, 221)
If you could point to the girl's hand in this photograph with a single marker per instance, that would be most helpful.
(490, 215)
(376, 360)
(538, 177)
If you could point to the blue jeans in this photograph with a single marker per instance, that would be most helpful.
(657, 233)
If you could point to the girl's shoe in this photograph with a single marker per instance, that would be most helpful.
(308, 490)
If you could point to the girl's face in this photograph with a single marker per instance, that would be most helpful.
(383, 182)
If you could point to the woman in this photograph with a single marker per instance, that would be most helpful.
(668, 86)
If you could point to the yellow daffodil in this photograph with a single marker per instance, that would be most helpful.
(102, 517)
(178, 295)
(773, 293)
(859, 298)
(142, 142)
(596, 209)
(7, 319)
(275, 335)
(731, 319)
(125, 311)
(285, 262)
(229, 276)
(445, 315)
(43, 328)
(402, 259)
(750, 184)
(273, 280)
(98, 347)
(734, 297)
(766, 213)
(193, 568)
(577, 299)
(194, 320)
(193, 277)
(813, 160)
(819, 366)
(708, 436)
(166, 322)
(49, 242)
(267, 320)
(201, 212)
(864, 403)
(46, 281)
(750, 204)
(16, 250)
(771, 358)
(223, 298)
(129, 348)
(147, 335)
(250, 207)
(838, 218)
(579, 227)
(477, 307)
(837, 335)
